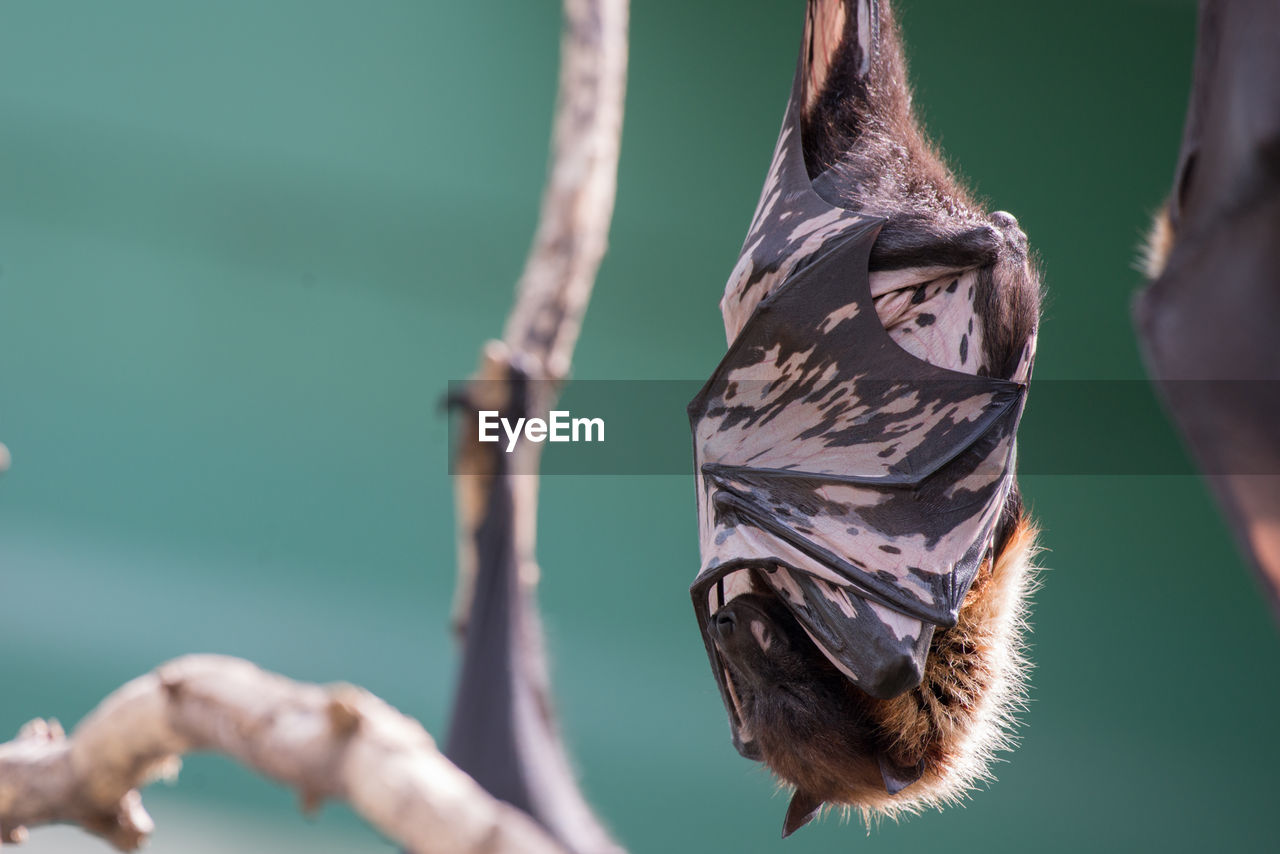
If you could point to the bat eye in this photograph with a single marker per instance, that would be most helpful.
(762, 634)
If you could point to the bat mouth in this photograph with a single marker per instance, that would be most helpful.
(743, 729)
(810, 722)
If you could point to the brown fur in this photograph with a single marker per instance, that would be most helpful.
(875, 114)
(821, 735)
(863, 130)
(975, 676)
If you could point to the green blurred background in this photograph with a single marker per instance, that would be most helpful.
(245, 245)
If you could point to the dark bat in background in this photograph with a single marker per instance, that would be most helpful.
(865, 553)
(1210, 320)
(503, 729)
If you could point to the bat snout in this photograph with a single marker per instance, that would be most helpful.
(742, 633)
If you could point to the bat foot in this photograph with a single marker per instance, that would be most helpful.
(1003, 220)
(1007, 224)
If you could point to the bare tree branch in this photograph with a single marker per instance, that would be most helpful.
(560, 271)
(578, 201)
(328, 742)
(339, 741)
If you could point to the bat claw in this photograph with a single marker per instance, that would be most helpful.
(1003, 220)
(1006, 225)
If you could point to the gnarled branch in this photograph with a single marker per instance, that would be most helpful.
(328, 742)
(339, 741)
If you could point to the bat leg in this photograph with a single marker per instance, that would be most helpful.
(910, 240)
(904, 245)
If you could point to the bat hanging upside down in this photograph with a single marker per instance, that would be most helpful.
(865, 552)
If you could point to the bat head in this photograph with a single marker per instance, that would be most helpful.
(762, 646)
(814, 728)
(797, 712)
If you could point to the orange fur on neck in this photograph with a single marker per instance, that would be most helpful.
(963, 712)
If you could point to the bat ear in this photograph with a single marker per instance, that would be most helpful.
(804, 807)
(898, 777)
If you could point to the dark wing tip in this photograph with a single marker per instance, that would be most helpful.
(803, 809)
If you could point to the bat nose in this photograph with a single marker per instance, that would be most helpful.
(725, 623)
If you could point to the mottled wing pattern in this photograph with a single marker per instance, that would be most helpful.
(816, 429)
(853, 630)
(791, 225)
(860, 482)
(863, 482)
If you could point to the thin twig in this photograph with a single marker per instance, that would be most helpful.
(577, 203)
(559, 273)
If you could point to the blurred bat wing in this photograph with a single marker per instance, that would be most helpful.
(1210, 323)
